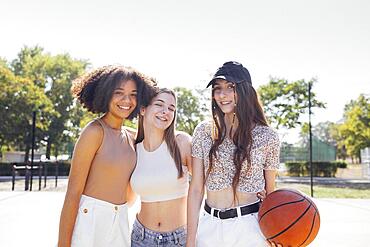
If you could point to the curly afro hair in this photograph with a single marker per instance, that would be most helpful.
(94, 90)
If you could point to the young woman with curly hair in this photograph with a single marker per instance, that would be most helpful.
(95, 207)
(235, 157)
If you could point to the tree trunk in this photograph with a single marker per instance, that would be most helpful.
(48, 149)
(56, 152)
(27, 153)
(359, 158)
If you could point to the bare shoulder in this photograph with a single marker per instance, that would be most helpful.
(93, 132)
(183, 139)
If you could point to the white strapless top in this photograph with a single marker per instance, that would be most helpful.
(155, 177)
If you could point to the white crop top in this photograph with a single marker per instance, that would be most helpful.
(155, 177)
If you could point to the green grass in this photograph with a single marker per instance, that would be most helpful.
(320, 191)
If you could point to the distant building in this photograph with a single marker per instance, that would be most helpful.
(321, 151)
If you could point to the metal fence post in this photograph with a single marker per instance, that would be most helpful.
(26, 177)
(45, 173)
(56, 174)
(40, 175)
(13, 176)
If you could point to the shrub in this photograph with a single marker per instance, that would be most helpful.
(320, 168)
(341, 164)
(5, 169)
(296, 169)
(323, 169)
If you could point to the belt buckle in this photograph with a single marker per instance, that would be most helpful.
(220, 211)
(218, 214)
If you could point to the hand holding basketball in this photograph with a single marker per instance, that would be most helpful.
(272, 244)
(261, 195)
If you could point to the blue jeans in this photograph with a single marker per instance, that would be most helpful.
(143, 237)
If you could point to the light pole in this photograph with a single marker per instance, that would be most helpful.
(33, 144)
(310, 133)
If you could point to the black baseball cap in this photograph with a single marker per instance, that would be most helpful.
(233, 72)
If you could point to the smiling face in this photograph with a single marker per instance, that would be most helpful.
(224, 95)
(123, 100)
(161, 112)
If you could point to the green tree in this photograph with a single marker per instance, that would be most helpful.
(190, 111)
(51, 77)
(31, 63)
(354, 132)
(205, 99)
(18, 99)
(61, 70)
(285, 102)
(324, 131)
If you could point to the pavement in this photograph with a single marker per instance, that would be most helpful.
(32, 218)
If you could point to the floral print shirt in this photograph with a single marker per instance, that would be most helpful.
(265, 152)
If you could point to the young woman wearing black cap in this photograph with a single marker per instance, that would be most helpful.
(235, 156)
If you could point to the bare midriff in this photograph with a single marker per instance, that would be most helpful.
(223, 199)
(163, 216)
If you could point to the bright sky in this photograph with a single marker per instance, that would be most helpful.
(182, 42)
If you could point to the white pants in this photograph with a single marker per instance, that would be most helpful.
(241, 231)
(100, 224)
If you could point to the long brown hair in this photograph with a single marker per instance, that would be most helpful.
(169, 133)
(249, 112)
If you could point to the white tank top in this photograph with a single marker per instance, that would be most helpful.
(155, 177)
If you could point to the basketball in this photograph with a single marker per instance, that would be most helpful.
(289, 217)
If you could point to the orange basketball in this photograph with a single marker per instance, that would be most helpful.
(289, 217)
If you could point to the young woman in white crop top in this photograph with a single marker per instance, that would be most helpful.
(161, 175)
(94, 213)
(235, 156)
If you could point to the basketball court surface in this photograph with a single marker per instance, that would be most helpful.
(32, 218)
